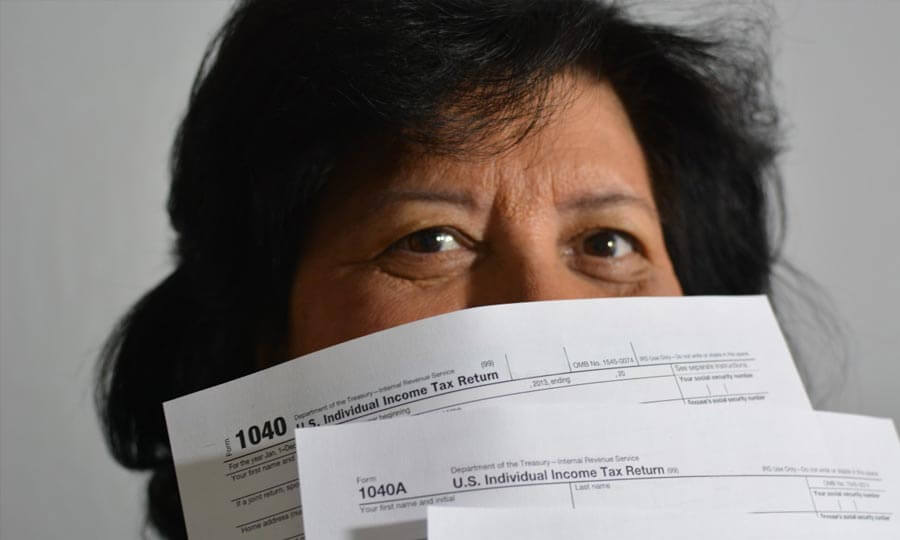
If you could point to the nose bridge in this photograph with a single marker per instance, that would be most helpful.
(524, 265)
(536, 280)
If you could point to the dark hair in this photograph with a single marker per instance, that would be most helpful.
(288, 88)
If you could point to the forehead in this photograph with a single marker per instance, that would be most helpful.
(586, 144)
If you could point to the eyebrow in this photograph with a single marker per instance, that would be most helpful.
(585, 201)
(593, 201)
(440, 197)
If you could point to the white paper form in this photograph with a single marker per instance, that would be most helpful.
(233, 444)
(452, 523)
(374, 481)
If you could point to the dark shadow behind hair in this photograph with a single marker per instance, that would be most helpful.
(288, 89)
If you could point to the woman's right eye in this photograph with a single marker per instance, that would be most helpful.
(432, 240)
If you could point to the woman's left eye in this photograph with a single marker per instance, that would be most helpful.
(433, 240)
(609, 244)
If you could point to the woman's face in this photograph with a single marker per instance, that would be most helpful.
(567, 213)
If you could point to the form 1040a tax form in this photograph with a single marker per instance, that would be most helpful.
(376, 481)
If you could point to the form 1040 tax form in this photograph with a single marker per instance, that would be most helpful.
(233, 444)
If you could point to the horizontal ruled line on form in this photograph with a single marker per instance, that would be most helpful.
(610, 480)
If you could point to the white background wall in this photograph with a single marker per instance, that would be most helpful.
(90, 95)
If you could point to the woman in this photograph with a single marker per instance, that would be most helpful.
(349, 166)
